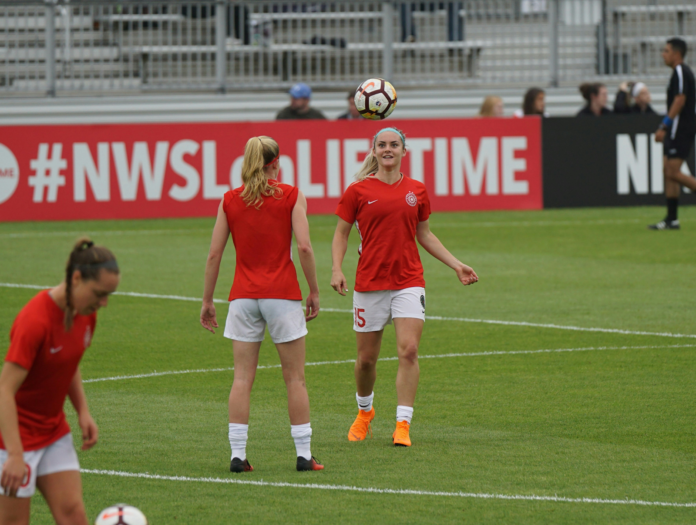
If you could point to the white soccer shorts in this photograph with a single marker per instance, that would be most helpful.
(247, 320)
(372, 311)
(56, 457)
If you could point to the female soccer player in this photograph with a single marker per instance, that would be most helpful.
(262, 215)
(389, 211)
(47, 341)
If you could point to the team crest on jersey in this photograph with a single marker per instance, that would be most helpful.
(411, 198)
(88, 336)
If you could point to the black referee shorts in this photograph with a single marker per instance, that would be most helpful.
(679, 146)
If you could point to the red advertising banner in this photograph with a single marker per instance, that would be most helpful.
(117, 171)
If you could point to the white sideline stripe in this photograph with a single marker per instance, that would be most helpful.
(484, 224)
(431, 317)
(400, 492)
(76, 234)
(344, 361)
(489, 224)
(128, 294)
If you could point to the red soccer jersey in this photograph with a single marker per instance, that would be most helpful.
(386, 217)
(263, 240)
(40, 344)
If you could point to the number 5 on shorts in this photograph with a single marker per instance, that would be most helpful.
(359, 321)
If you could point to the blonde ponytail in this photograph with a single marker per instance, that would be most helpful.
(369, 166)
(259, 152)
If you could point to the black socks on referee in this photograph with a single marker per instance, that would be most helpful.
(672, 205)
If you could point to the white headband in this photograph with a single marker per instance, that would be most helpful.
(637, 88)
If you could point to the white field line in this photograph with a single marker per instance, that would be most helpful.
(492, 224)
(431, 317)
(345, 361)
(399, 492)
(483, 224)
(76, 234)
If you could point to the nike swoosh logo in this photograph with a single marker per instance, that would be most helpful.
(370, 202)
(56, 350)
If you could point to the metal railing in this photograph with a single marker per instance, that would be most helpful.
(124, 45)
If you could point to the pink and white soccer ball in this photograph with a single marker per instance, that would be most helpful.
(375, 99)
(121, 514)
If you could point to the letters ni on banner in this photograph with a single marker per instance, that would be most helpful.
(183, 170)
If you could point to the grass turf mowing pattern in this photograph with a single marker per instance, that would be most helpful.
(609, 424)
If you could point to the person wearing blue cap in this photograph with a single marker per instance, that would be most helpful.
(299, 108)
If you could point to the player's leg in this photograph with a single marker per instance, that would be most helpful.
(673, 173)
(14, 511)
(292, 360)
(63, 494)
(672, 192)
(246, 359)
(288, 328)
(408, 311)
(365, 371)
(408, 335)
(246, 327)
(371, 313)
(58, 479)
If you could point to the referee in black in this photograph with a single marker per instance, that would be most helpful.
(677, 130)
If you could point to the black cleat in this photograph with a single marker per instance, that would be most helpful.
(308, 464)
(237, 465)
(664, 225)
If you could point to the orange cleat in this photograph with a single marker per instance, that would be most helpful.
(400, 435)
(361, 426)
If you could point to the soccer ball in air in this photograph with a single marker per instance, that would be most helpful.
(375, 99)
(121, 514)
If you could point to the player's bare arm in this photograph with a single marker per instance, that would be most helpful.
(674, 110)
(300, 227)
(434, 247)
(339, 245)
(76, 393)
(14, 469)
(221, 232)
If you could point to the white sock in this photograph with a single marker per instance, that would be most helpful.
(365, 403)
(404, 413)
(238, 435)
(302, 434)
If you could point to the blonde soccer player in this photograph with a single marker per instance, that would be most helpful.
(262, 216)
(47, 341)
(389, 211)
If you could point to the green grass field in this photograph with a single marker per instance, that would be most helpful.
(603, 415)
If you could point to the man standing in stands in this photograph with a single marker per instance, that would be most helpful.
(299, 105)
(677, 130)
(352, 113)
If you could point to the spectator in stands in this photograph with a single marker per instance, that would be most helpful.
(491, 107)
(455, 23)
(352, 113)
(299, 105)
(534, 103)
(595, 93)
(633, 97)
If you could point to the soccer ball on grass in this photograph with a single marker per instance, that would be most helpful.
(121, 514)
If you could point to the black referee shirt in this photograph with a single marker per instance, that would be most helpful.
(682, 82)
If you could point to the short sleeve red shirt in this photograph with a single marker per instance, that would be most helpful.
(40, 344)
(263, 241)
(386, 217)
